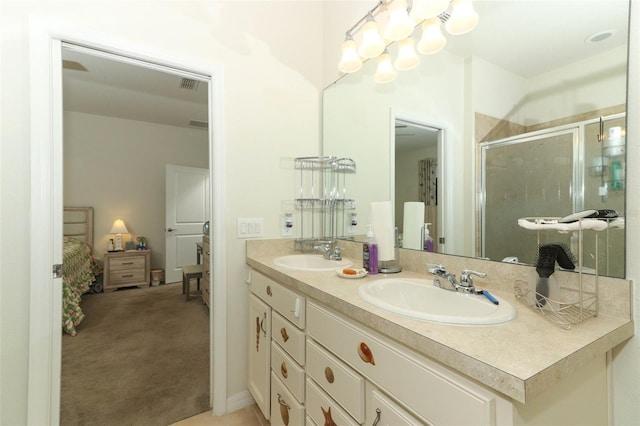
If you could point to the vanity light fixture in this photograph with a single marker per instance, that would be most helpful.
(458, 17)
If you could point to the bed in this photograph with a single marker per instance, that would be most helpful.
(80, 267)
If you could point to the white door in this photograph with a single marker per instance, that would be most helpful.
(187, 202)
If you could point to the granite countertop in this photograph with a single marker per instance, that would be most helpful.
(519, 359)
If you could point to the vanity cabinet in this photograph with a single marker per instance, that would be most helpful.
(277, 350)
(423, 392)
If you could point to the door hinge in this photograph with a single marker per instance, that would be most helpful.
(57, 270)
(441, 240)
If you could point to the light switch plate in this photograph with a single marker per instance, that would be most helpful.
(250, 227)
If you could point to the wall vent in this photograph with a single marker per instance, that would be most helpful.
(189, 84)
(200, 124)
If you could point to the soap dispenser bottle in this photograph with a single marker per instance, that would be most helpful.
(428, 240)
(370, 253)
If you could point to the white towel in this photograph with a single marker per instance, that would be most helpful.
(383, 229)
(413, 222)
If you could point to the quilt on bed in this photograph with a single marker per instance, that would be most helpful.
(78, 272)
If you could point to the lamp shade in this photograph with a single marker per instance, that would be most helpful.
(385, 73)
(425, 9)
(350, 60)
(432, 40)
(463, 18)
(400, 26)
(407, 57)
(372, 44)
(119, 227)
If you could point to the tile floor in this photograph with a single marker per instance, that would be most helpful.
(248, 416)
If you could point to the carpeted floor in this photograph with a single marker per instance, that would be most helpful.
(141, 357)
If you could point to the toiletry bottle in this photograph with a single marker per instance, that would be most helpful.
(370, 253)
(428, 240)
(616, 175)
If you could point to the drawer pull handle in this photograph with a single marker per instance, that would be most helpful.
(264, 318)
(127, 263)
(328, 374)
(283, 370)
(283, 332)
(284, 410)
(377, 420)
(127, 276)
(328, 421)
(269, 291)
(365, 353)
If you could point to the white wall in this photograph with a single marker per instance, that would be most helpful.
(272, 63)
(117, 166)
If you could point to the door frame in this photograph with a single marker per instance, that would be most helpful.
(46, 36)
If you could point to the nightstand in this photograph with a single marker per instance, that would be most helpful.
(126, 269)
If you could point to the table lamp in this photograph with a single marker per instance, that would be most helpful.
(118, 228)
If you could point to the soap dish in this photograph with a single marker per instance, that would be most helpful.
(360, 273)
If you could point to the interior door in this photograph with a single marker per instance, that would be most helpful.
(187, 201)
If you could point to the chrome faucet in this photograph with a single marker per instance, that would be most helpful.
(330, 252)
(466, 281)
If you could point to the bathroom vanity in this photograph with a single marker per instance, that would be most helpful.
(319, 353)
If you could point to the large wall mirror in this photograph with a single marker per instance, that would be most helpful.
(538, 86)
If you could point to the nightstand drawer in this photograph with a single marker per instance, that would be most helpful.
(124, 276)
(127, 262)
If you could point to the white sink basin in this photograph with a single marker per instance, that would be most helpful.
(420, 299)
(310, 262)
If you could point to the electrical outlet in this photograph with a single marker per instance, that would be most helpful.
(286, 224)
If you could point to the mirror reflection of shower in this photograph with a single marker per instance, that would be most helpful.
(550, 174)
(417, 181)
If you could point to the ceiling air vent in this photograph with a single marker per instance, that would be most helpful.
(200, 124)
(189, 84)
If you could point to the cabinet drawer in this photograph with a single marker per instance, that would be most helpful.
(127, 262)
(289, 337)
(429, 389)
(283, 300)
(285, 410)
(322, 409)
(380, 406)
(337, 379)
(290, 373)
(126, 276)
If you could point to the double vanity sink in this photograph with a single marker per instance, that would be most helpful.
(412, 297)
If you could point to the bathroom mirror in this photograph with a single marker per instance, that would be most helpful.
(524, 69)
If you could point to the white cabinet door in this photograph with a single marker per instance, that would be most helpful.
(259, 353)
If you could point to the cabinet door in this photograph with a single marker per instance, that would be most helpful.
(259, 353)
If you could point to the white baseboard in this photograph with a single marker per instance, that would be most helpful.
(239, 400)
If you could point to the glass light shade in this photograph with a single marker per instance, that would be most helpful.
(372, 44)
(407, 57)
(350, 60)
(463, 19)
(425, 9)
(432, 40)
(119, 227)
(400, 25)
(385, 73)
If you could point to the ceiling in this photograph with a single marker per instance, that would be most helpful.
(120, 89)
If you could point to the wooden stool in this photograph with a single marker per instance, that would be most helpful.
(190, 272)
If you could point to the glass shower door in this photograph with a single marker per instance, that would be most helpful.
(529, 177)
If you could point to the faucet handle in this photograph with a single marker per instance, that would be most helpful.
(465, 277)
(435, 268)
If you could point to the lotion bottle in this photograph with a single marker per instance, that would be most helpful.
(370, 253)
(428, 240)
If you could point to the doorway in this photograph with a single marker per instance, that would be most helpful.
(46, 144)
